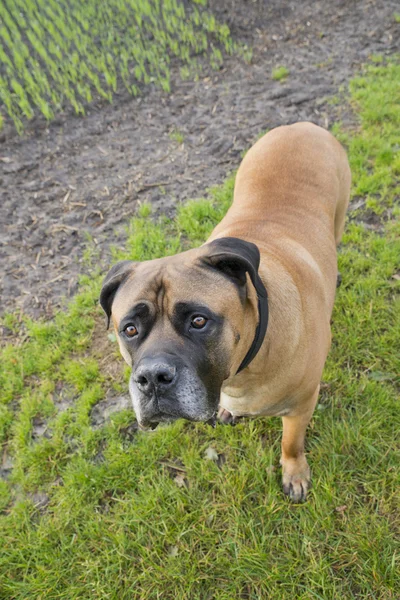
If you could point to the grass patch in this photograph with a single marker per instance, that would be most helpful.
(374, 151)
(133, 515)
(56, 53)
(280, 73)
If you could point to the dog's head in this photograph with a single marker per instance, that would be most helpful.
(184, 324)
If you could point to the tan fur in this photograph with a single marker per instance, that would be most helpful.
(291, 195)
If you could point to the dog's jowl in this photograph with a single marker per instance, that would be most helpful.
(241, 325)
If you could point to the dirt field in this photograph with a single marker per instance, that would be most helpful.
(82, 178)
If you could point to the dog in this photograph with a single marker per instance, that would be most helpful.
(240, 327)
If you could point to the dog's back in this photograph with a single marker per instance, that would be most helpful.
(292, 170)
(291, 195)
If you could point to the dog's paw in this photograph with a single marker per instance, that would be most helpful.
(296, 482)
(226, 418)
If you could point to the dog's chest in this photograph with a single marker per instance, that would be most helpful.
(258, 404)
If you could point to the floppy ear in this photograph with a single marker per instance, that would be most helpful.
(111, 283)
(235, 257)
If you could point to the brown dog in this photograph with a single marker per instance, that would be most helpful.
(241, 325)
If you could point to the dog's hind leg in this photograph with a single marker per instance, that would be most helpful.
(296, 475)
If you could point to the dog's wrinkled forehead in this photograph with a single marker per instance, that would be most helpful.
(164, 282)
(217, 274)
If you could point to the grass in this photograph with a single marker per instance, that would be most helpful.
(109, 513)
(56, 53)
(280, 73)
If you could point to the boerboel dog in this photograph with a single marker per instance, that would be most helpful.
(240, 327)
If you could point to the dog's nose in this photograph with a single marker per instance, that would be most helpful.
(154, 373)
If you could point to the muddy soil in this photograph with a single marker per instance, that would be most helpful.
(82, 178)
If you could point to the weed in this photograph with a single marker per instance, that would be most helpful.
(280, 73)
(177, 136)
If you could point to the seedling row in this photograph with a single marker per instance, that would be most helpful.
(55, 53)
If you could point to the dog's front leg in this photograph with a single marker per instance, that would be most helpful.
(296, 475)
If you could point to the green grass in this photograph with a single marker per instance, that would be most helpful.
(374, 155)
(148, 515)
(56, 53)
(280, 73)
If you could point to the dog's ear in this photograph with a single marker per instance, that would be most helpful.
(111, 283)
(234, 258)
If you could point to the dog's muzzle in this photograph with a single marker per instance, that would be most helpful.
(164, 388)
(156, 379)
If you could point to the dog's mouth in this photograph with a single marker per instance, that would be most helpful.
(154, 422)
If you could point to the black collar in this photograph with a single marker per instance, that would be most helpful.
(261, 326)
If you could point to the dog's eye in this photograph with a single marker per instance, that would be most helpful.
(130, 330)
(198, 322)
